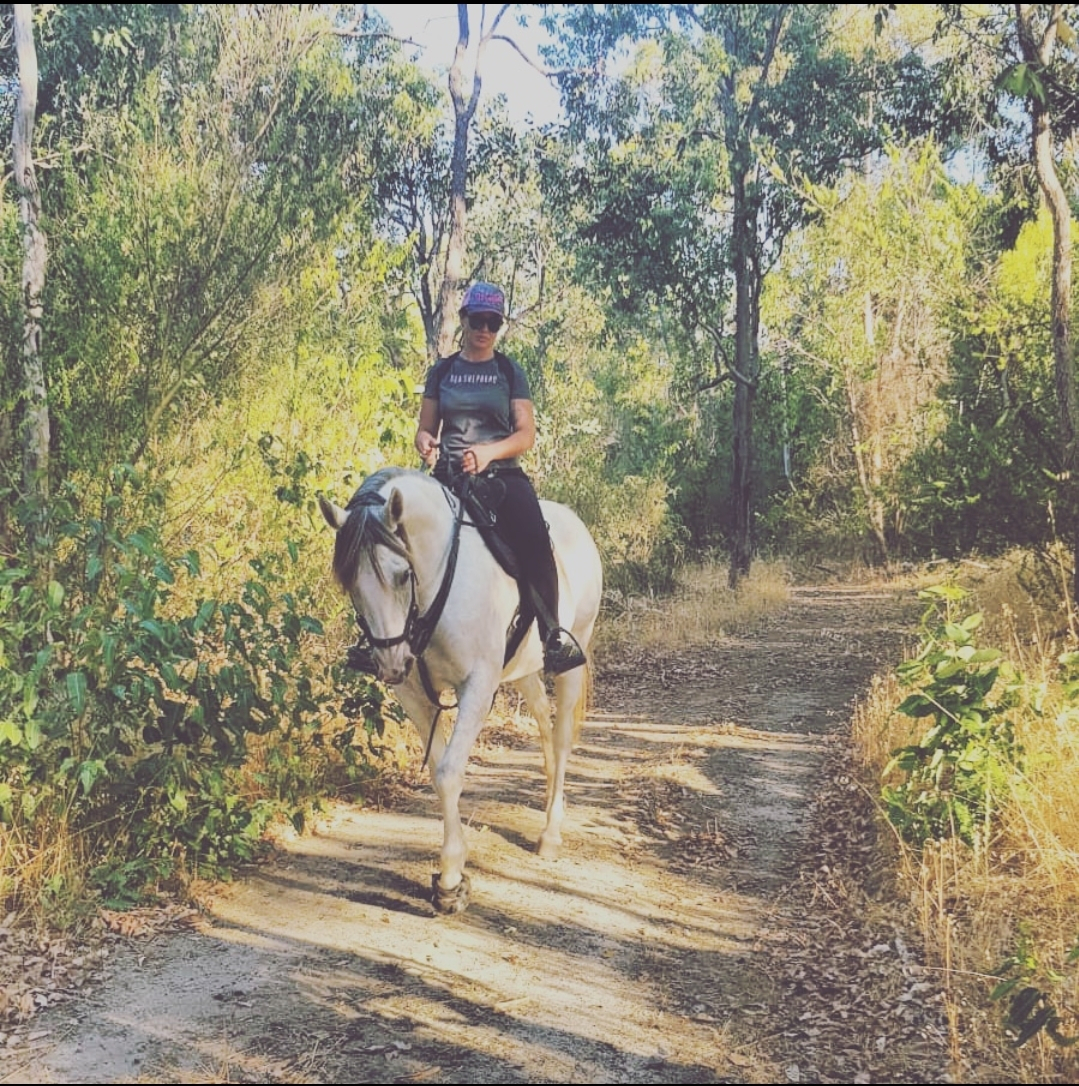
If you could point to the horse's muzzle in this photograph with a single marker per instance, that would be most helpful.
(393, 672)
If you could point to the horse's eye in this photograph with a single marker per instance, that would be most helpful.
(402, 578)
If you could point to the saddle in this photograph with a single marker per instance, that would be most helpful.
(482, 496)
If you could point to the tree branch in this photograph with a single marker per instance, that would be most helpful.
(353, 30)
(484, 36)
(715, 382)
(548, 73)
(769, 55)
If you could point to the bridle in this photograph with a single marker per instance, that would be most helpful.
(411, 619)
(419, 629)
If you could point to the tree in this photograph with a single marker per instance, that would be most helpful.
(745, 105)
(178, 215)
(409, 178)
(464, 109)
(465, 93)
(862, 312)
(1045, 39)
(35, 410)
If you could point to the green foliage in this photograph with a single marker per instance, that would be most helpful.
(987, 477)
(953, 776)
(124, 883)
(1031, 1009)
(865, 297)
(610, 439)
(126, 716)
(177, 220)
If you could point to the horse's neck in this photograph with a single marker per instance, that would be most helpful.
(429, 524)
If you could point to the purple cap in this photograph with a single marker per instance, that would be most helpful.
(484, 298)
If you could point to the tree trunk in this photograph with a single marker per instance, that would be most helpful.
(747, 319)
(452, 284)
(35, 411)
(1040, 54)
(740, 131)
(463, 110)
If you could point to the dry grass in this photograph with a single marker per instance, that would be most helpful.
(1021, 894)
(42, 872)
(701, 609)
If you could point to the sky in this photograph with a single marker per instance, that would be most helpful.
(529, 96)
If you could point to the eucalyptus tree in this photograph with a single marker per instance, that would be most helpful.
(695, 154)
(1045, 76)
(409, 180)
(465, 100)
(465, 84)
(1026, 54)
(34, 403)
(863, 313)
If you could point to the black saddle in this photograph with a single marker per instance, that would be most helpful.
(482, 497)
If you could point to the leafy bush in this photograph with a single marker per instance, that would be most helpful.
(125, 717)
(967, 757)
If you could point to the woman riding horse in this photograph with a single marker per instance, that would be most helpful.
(477, 412)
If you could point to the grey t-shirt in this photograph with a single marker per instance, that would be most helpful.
(474, 403)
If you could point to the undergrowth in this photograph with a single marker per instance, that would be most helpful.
(151, 725)
(699, 608)
(976, 743)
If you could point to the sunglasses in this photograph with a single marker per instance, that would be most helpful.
(490, 322)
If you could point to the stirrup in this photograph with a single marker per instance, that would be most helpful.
(359, 658)
(562, 653)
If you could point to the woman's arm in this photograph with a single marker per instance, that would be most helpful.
(427, 433)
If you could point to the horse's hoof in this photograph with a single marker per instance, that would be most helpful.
(452, 901)
(548, 850)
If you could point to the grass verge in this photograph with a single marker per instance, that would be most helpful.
(1005, 908)
(700, 608)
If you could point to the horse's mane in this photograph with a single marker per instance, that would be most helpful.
(365, 527)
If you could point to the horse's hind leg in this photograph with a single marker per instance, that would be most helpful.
(557, 740)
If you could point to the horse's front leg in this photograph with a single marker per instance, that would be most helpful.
(451, 884)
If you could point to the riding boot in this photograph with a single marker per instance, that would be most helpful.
(520, 520)
(560, 649)
(561, 652)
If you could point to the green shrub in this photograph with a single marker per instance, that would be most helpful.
(969, 755)
(127, 701)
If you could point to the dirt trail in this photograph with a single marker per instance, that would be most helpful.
(707, 922)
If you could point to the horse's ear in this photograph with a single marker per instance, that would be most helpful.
(334, 514)
(395, 509)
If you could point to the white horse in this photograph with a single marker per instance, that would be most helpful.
(397, 543)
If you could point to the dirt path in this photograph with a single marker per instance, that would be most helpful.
(709, 921)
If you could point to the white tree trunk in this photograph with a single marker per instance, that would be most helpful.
(1039, 51)
(35, 410)
(464, 109)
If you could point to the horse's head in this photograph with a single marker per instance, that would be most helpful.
(373, 565)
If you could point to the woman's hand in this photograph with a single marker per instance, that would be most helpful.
(427, 447)
(427, 432)
(475, 459)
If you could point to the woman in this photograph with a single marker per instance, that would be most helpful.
(476, 418)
